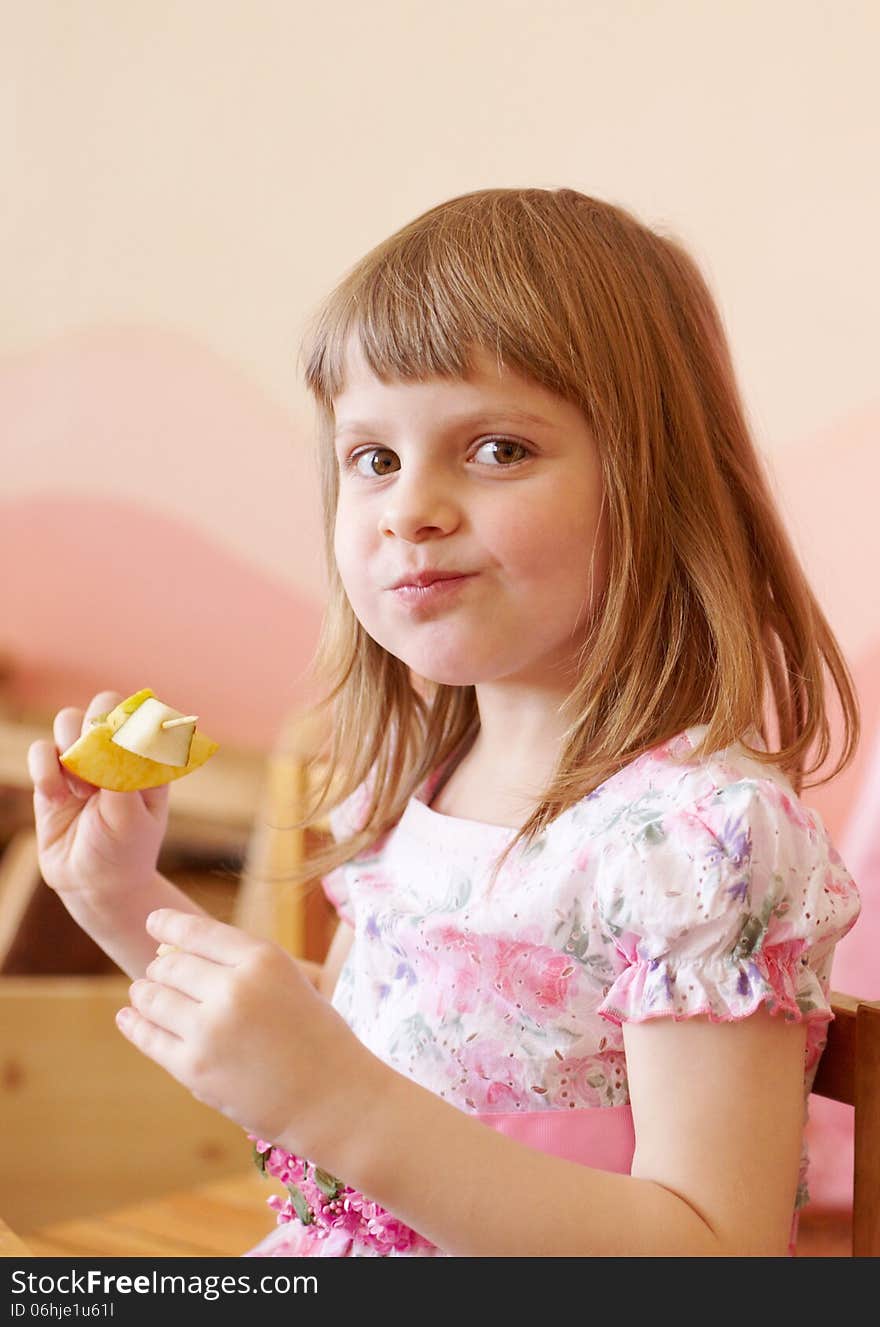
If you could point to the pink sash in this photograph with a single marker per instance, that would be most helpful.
(603, 1137)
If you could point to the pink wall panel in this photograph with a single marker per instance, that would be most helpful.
(101, 594)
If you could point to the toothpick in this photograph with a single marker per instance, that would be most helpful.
(178, 723)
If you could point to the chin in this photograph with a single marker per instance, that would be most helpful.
(447, 679)
(450, 673)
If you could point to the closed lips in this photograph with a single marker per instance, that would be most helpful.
(425, 578)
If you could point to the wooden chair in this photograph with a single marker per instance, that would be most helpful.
(300, 918)
(849, 1071)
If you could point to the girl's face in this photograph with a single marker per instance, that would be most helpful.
(450, 476)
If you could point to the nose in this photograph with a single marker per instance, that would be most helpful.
(419, 504)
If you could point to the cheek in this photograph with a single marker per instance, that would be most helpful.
(352, 562)
(346, 548)
(533, 545)
(518, 539)
(344, 568)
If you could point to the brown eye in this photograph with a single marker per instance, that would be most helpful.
(502, 449)
(354, 462)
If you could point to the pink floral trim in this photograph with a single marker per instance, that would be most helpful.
(658, 988)
(329, 1210)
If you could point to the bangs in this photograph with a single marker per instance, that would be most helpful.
(451, 283)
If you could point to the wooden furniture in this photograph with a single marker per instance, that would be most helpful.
(300, 918)
(10, 1244)
(849, 1071)
(221, 1219)
(88, 1122)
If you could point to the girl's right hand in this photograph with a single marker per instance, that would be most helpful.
(90, 839)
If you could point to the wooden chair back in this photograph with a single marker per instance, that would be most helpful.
(849, 1072)
(300, 918)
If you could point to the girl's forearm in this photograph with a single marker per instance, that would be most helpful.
(117, 922)
(476, 1193)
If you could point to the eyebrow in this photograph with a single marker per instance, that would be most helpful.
(460, 421)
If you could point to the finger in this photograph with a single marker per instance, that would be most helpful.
(165, 1008)
(102, 703)
(161, 1046)
(46, 772)
(201, 935)
(66, 728)
(196, 977)
(56, 804)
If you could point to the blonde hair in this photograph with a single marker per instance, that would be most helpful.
(707, 617)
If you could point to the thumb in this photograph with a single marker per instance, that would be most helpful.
(56, 804)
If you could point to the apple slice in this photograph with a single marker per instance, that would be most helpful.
(157, 732)
(99, 759)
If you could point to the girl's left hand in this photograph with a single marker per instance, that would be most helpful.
(234, 1020)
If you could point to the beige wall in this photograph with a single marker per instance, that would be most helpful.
(187, 178)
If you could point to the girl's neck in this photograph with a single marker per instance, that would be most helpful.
(470, 789)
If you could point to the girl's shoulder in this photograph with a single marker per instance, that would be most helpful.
(716, 836)
(674, 768)
(670, 783)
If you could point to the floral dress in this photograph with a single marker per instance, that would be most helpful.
(678, 887)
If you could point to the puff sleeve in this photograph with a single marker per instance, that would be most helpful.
(733, 901)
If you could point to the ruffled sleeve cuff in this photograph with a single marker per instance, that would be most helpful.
(723, 991)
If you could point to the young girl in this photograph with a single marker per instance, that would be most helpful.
(579, 986)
